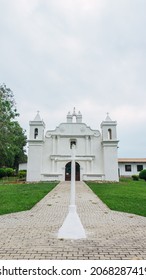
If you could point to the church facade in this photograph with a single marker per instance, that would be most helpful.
(49, 153)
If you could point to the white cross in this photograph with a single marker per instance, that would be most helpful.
(72, 227)
(73, 190)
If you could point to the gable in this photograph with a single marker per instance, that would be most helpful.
(73, 129)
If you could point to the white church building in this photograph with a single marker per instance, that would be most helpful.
(49, 153)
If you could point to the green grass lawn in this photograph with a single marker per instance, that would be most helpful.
(21, 197)
(126, 196)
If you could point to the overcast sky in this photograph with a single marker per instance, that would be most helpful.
(88, 54)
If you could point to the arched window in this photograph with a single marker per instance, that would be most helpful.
(73, 142)
(35, 133)
(109, 134)
(74, 119)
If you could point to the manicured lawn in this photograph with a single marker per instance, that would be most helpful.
(126, 196)
(21, 197)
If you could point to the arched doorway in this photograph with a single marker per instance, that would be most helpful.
(68, 171)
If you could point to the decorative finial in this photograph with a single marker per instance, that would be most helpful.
(74, 111)
(37, 117)
(108, 117)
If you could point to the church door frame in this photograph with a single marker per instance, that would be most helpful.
(68, 171)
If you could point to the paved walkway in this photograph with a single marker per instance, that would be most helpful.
(110, 235)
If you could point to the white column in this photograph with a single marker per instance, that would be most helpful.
(91, 166)
(89, 145)
(53, 145)
(87, 142)
(57, 144)
(86, 152)
(53, 165)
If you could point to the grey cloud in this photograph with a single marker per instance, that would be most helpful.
(85, 53)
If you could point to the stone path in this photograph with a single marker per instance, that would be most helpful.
(110, 235)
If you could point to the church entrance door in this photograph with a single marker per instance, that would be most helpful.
(68, 172)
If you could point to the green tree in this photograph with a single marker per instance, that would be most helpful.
(12, 136)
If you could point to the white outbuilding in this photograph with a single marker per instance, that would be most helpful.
(49, 152)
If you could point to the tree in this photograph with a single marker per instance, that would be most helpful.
(142, 174)
(15, 149)
(12, 136)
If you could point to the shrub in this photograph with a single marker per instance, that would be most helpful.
(6, 172)
(2, 172)
(142, 174)
(22, 174)
(135, 177)
(9, 172)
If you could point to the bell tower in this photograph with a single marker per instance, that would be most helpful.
(37, 127)
(35, 147)
(109, 148)
(78, 117)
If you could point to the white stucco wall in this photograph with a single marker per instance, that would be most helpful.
(110, 162)
(57, 147)
(23, 166)
(34, 165)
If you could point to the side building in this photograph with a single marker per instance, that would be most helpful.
(131, 166)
